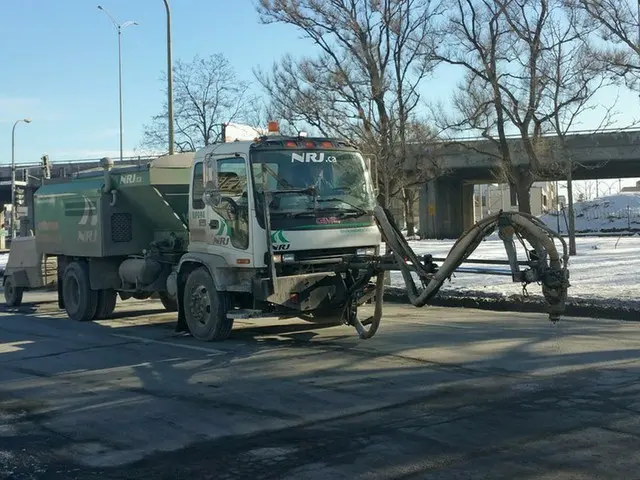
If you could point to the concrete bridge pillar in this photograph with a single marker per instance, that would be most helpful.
(446, 208)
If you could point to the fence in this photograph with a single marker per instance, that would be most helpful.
(597, 219)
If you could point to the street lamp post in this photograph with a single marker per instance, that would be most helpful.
(13, 175)
(170, 78)
(119, 28)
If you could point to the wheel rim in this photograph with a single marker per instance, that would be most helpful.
(200, 304)
(73, 291)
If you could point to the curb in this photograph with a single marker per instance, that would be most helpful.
(575, 307)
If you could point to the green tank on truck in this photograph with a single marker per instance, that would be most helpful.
(115, 230)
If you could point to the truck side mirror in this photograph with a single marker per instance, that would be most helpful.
(211, 195)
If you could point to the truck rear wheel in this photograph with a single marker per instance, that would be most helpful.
(12, 294)
(80, 301)
(170, 303)
(205, 308)
(106, 303)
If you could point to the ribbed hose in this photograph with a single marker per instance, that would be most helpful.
(530, 227)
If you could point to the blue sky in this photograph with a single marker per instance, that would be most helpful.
(59, 64)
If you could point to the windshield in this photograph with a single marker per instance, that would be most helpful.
(317, 184)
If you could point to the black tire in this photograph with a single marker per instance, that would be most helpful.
(106, 303)
(205, 308)
(124, 295)
(12, 294)
(80, 301)
(142, 295)
(168, 302)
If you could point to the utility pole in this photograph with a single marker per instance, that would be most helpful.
(170, 78)
(557, 193)
(119, 28)
(14, 216)
(572, 221)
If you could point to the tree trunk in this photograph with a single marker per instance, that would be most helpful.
(386, 190)
(407, 200)
(522, 181)
(524, 196)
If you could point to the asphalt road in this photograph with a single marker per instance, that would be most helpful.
(437, 393)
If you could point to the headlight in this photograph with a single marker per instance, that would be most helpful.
(366, 251)
(287, 257)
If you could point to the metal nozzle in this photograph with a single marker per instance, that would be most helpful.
(106, 163)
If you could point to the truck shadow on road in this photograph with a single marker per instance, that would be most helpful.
(99, 399)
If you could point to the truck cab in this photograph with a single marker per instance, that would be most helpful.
(274, 222)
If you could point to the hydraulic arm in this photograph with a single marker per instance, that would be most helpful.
(546, 265)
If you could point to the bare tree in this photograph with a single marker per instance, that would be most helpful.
(519, 78)
(619, 28)
(363, 84)
(586, 189)
(419, 163)
(206, 94)
(574, 78)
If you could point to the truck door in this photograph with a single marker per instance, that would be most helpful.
(229, 220)
(197, 218)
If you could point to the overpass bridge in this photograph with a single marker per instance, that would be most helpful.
(446, 203)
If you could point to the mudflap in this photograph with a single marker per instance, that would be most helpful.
(181, 325)
(60, 297)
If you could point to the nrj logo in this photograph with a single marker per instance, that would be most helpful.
(312, 157)
(278, 237)
(224, 230)
(279, 242)
(90, 214)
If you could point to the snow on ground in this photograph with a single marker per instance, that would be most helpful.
(616, 213)
(604, 268)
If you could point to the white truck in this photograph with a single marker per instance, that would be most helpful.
(284, 226)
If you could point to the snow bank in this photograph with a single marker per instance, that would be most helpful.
(605, 268)
(614, 213)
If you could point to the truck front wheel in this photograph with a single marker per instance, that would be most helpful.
(80, 301)
(205, 308)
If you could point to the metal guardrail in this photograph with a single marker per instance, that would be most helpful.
(443, 140)
(62, 163)
(512, 136)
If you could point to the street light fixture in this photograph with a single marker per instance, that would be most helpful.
(119, 28)
(13, 175)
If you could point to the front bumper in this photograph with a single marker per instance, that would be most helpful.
(304, 292)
